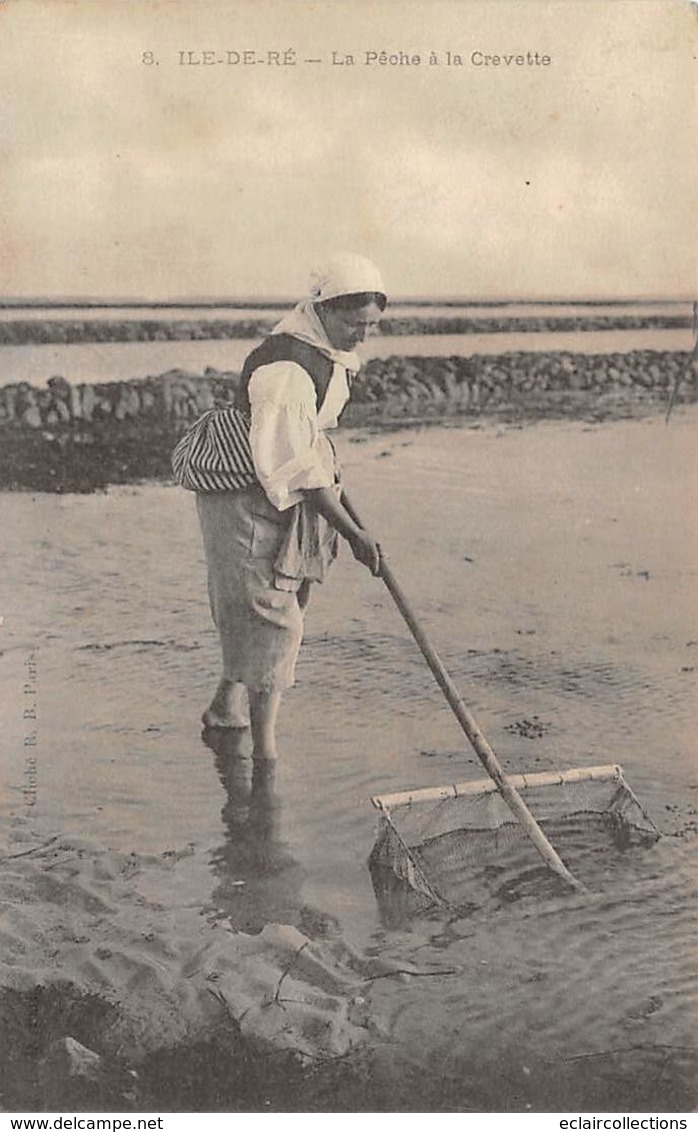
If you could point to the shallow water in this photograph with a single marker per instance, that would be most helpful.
(120, 361)
(554, 568)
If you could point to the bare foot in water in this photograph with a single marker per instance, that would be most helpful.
(264, 708)
(228, 708)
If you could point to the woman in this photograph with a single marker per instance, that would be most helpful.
(265, 544)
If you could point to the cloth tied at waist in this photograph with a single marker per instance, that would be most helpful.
(309, 547)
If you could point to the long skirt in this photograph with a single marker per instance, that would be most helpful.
(259, 624)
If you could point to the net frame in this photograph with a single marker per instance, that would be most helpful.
(412, 818)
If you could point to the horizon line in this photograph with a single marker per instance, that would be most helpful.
(244, 302)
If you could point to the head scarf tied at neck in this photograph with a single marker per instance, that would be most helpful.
(344, 274)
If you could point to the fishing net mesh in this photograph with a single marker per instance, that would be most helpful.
(462, 844)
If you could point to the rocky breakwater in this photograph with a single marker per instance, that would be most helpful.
(522, 385)
(80, 437)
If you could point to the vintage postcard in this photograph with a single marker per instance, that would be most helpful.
(349, 759)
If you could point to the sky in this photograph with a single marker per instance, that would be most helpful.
(123, 177)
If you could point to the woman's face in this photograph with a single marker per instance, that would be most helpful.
(347, 328)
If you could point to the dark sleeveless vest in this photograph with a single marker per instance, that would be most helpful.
(215, 454)
(285, 348)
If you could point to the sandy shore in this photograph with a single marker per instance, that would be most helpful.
(174, 940)
(109, 950)
(118, 995)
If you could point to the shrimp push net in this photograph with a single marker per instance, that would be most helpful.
(461, 845)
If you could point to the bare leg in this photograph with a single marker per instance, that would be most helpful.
(227, 708)
(264, 709)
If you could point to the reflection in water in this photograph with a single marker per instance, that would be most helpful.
(259, 880)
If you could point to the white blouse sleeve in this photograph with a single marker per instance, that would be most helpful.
(290, 453)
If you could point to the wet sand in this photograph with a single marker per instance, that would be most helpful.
(554, 567)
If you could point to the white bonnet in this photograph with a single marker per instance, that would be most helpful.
(345, 274)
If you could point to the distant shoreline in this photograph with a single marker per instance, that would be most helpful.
(67, 331)
(282, 303)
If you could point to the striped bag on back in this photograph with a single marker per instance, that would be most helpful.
(215, 454)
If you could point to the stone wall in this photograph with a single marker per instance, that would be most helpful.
(67, 437)
(172, 397)
(524, 382)
(450, 384)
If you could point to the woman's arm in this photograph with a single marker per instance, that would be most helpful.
(292, 460)
(363, 546)
(289, 454)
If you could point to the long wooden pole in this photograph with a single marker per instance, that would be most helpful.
(469, 725)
